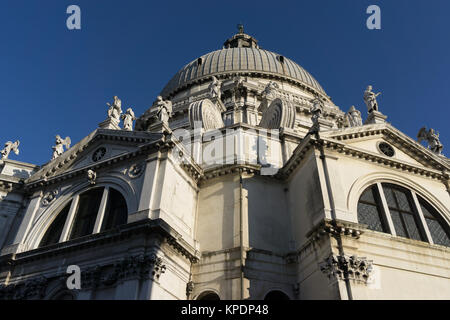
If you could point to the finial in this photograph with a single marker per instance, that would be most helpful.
(240, 27)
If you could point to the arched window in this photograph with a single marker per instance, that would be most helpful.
(116, 212)
(54, 232)
(404, 215)
(369, 210)
(276, 295)
(93, 211)
(88, 205)
(208, 295)
(390, 208)
(439, 230)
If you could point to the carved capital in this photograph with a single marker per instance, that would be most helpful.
(342, 267)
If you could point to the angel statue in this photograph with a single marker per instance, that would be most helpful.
(128, 119)
(432, 138)
(353, 117)
(58, 149)
(9, 146)
(214, 88)
(115, 109)
(164, 109)
(370, 99)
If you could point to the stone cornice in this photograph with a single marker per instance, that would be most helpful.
(147, 226)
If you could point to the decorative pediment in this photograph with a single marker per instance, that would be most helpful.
(99, 146)
(279, 114)
(385, 140)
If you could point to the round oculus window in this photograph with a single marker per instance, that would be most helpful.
(98, 154)
(386, 149)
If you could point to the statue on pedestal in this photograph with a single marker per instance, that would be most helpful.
(164, 109)
(432, 138)
(10, 146)
(115, 110)
(370, 98)
(128, 119)
(58, 148)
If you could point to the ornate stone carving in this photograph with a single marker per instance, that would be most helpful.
(353, 117)
(136, 170)
(10, 146)
(206, 113)
(269, 90)
(115, 110)
(370, 99)
(139, 266)
(342, 267)
(214, 89)
(92, 176)
(432, 138)
(279, 114)
(49, 197)
(189, 288)
(128, 119)
(31, 288)
(58, 148)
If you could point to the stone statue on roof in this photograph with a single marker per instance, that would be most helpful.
(164, 109)
(214, 88)
(115, 110)
(432, 138)
(370, 98)
(128, 119)
(58, 148)
(354, 117)
(10, 146)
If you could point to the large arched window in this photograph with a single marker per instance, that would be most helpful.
(393, 209)
(95, 210)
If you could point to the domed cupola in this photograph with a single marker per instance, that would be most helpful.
(242, 56)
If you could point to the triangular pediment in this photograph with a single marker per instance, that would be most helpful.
(369, 138)
(99, 146)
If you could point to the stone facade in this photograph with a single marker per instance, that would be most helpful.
(243, 179)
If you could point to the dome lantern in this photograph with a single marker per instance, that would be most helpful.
(241, 40)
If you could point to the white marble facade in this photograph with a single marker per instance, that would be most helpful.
(226, 188)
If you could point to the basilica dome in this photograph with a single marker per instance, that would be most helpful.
(241, 55)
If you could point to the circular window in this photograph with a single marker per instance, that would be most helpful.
(386, 149)
(98, 154)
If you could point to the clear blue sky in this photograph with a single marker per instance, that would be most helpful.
(56, 81)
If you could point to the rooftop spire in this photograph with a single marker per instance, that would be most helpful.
(241, 40)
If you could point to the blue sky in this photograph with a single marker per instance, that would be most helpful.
(57, 81)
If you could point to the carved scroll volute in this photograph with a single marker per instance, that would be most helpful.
(279, 114)
(206, 113)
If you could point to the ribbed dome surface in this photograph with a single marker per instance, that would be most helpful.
(240, 60)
